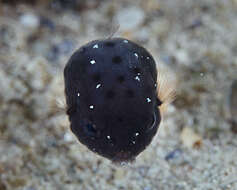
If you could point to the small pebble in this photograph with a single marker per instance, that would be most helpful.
(130, 17)
(30, 20)
(173, 154)
(232, 99)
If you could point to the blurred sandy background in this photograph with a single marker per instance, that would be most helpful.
(196, 146)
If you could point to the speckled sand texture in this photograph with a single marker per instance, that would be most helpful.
(196, 146)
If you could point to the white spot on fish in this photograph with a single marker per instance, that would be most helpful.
(136, 134)
(147, 57)
(155, 84)
(108, 137)
(133, 142)
(136, 55)
(92, 61)
(91, 107)
(125, 41)
(148, 100)
(98, 85)
(137, 78)
(78, 94)
(95, 46)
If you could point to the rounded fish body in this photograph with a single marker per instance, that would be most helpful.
(111, 96)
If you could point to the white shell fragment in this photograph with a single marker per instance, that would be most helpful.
(189, 138)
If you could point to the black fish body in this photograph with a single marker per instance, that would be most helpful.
(111, 96)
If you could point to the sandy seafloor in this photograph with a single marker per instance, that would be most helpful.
(196, 146)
